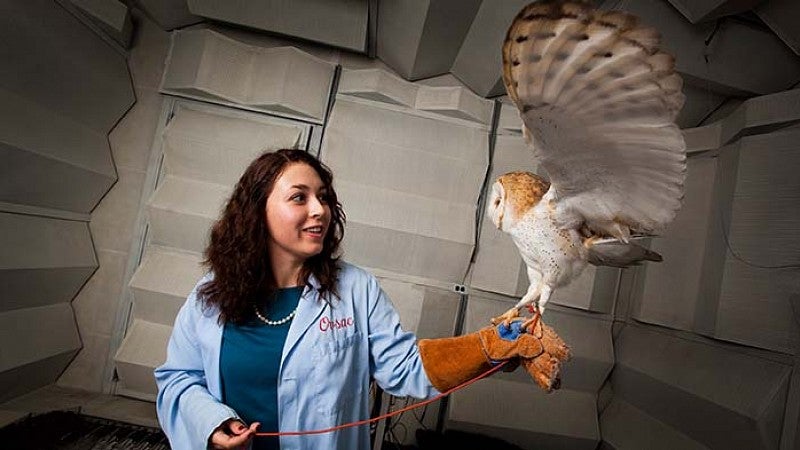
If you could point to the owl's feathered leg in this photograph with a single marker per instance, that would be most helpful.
(544, 297)
(529, 298)
(621, 232)
(533, 293)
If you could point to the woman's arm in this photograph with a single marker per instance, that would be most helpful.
(394, 356)
(187, 411)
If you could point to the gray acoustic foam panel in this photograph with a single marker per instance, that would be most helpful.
(704, 10)
(342, 23)
(169, 14)
(421, 39)
(413, 212)
(740, 59)
(479, 62)
(58, 103)
(111, 16)
(44, 260)
(782, 17)
(285, 81)
(714, 394)
(38, 343)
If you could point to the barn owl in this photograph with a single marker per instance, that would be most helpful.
(598, 101)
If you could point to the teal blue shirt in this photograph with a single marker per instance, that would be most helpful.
(250, 359)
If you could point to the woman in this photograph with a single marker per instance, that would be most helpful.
(282, 335)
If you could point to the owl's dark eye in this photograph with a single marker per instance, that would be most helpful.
(497, 202)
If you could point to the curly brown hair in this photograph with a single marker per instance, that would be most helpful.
(237, 251)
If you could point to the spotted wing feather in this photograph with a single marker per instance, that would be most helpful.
(598, 99)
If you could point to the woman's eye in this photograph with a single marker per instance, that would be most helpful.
(323, 198)
(298, 197)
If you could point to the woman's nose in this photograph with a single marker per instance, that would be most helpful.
(316, 208)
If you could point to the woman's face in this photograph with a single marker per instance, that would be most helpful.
(298, 214)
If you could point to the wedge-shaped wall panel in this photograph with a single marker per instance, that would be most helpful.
(378, 85)
(671, 291)
(342, 23)
(282, 80)
(62, 88)
(520, 413)
(479, 62)
(144, 349)
(83, 78)
(728, 255)
(421, 39)
(427, 311)
(207, 145)
(704, 10)
(112, 17)
(760, 115)
(38, 343)
(44, 261)
(626, 427)
(162, 282)
(58, 104)
(738, 59)
(700, 103)
(40, 180)
(205, 152)
(413, 211)
(455, 102)
(169, 14)
(782, 16)
(685, 384)
(452, 101)
(756, 115)
(182, 210)
(760, 234)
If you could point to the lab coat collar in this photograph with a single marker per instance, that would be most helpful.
(309, 309)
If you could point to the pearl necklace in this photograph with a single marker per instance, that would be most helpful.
(274, 322)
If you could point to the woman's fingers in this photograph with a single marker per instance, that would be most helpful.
(233, 435)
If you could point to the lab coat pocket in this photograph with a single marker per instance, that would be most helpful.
(335, 374)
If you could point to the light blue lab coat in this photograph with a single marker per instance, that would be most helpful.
(330, 354)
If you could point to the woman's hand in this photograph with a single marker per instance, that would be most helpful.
(232, 434)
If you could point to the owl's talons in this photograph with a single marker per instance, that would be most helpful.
(530, 324)
(506, 317)
(589, 241)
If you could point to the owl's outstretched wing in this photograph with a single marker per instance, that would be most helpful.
(598, 100)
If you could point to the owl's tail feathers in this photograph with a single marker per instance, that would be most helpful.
(614, 253)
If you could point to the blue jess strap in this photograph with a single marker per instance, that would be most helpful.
(511, 332)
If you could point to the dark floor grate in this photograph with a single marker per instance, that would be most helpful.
(68, 430)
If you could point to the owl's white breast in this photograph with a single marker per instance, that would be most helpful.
(557, 254)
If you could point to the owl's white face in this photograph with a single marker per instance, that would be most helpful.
(513, 195)
(495, 208)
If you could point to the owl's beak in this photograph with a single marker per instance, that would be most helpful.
(500, 221)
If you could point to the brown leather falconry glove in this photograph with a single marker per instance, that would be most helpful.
(452, 361)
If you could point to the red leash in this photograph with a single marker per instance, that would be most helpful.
(393, 413)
